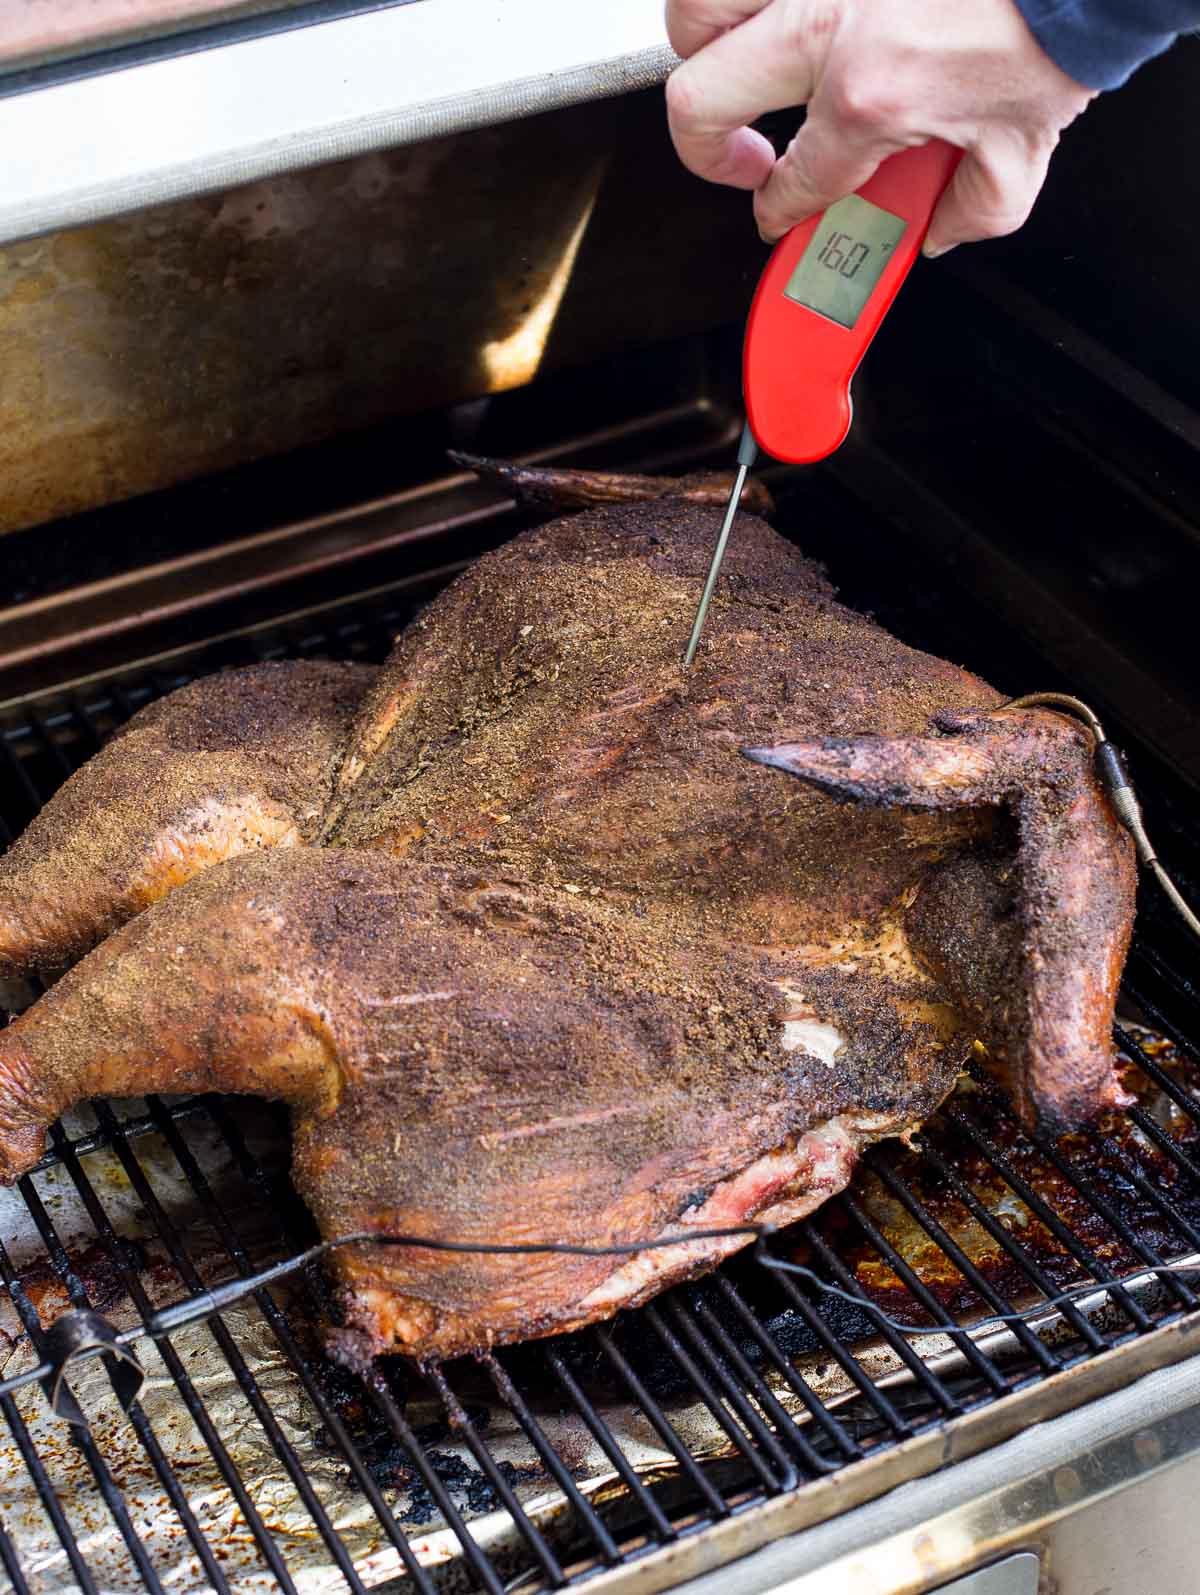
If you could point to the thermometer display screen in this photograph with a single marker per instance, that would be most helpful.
(845, 258)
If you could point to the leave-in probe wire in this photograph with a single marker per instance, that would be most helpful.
(81, 1334)
(1114, 775)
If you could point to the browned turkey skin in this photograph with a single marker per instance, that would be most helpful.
(476, 1059)
(616, 979)
(232, 762)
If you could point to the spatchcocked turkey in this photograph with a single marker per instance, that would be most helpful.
(542, 938)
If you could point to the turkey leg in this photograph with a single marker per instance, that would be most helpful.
(470, 1058)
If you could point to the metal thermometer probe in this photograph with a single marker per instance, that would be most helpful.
(826, 289)
(746, 456)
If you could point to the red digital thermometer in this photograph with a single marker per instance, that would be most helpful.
(826, 289)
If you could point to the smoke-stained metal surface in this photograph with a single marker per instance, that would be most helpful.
(190, 337)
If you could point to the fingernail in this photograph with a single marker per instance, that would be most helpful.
(932, 251)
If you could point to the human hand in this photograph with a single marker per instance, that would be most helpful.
(877, 76)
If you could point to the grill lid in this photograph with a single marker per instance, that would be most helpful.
(212, 118)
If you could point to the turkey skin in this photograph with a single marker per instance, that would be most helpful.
(583, 947)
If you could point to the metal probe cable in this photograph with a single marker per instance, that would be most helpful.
(1120, 790)
(746, 455)
(82, 1334)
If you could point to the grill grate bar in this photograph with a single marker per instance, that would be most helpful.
(658, 1421)
(401, 1431)
(992, 1298)
(254, 1172)
(785, 1426)
(137, 1416)
(602, 1434)
(1154, 1071)
(1101, 1204)
(719, 1404)
(1074, 1247)
(817, 1409)
(99, 1140)
(52, 745)
(1037, 1276)
(717, 1375)
(193, 1402)
(123, 706)
(461, 1423)
(1168, 1209)
(277, 1320)
(1176, 982)
(46, 1492)
(77, 718)
(20, 774)
(186, 1270)
(12, 1567)
(924, 1374)
(112, 1497)
(1163, 1142)
(582, 1507)
(1163, 1022)
(937, 1313)
(292, 1221)
(884, 1408)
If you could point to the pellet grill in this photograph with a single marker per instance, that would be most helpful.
(264, 264)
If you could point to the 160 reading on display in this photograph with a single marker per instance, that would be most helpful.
(845, 258)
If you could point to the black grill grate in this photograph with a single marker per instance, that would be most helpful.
(779, 1381)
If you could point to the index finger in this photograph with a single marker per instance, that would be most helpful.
(828, 158)
(741, 75)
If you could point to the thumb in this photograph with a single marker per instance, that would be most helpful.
(825, 161)
(991, 193)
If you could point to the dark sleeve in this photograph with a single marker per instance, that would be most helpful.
(1100, 43)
